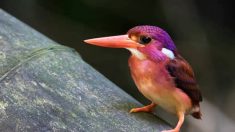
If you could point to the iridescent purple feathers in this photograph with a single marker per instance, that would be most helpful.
(156, 33)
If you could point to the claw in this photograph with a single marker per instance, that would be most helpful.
(148, 108)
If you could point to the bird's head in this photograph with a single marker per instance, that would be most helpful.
(139, 39)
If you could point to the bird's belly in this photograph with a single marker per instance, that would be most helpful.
(164, 96)
(154, 83)
(159, 94)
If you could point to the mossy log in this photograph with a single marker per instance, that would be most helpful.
(45, 86)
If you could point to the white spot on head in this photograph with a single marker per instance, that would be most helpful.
(168, 53)
(133, 37)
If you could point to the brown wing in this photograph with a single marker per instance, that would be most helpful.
(183, 74)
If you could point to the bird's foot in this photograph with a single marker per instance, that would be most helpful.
(134, 110)
(173, 130)
(147, 108)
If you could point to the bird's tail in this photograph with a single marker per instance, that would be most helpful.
(196, 113)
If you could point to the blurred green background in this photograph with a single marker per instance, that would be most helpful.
(202, 30)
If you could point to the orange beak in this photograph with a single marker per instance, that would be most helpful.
(120, 41)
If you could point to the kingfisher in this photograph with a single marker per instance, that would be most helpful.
(160, 73)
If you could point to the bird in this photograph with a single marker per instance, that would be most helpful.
(160, 73)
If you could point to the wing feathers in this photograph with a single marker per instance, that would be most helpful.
(184, 78)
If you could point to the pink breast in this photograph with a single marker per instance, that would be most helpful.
(150, 78)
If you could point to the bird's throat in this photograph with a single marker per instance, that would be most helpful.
(137, 53)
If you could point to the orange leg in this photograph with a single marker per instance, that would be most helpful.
(147, 108)
(179, 124)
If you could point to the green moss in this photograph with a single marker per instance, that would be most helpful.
(3, 105)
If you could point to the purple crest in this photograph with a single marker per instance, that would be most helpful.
(156, 33)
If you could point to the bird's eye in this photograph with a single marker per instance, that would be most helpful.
(144, 39)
